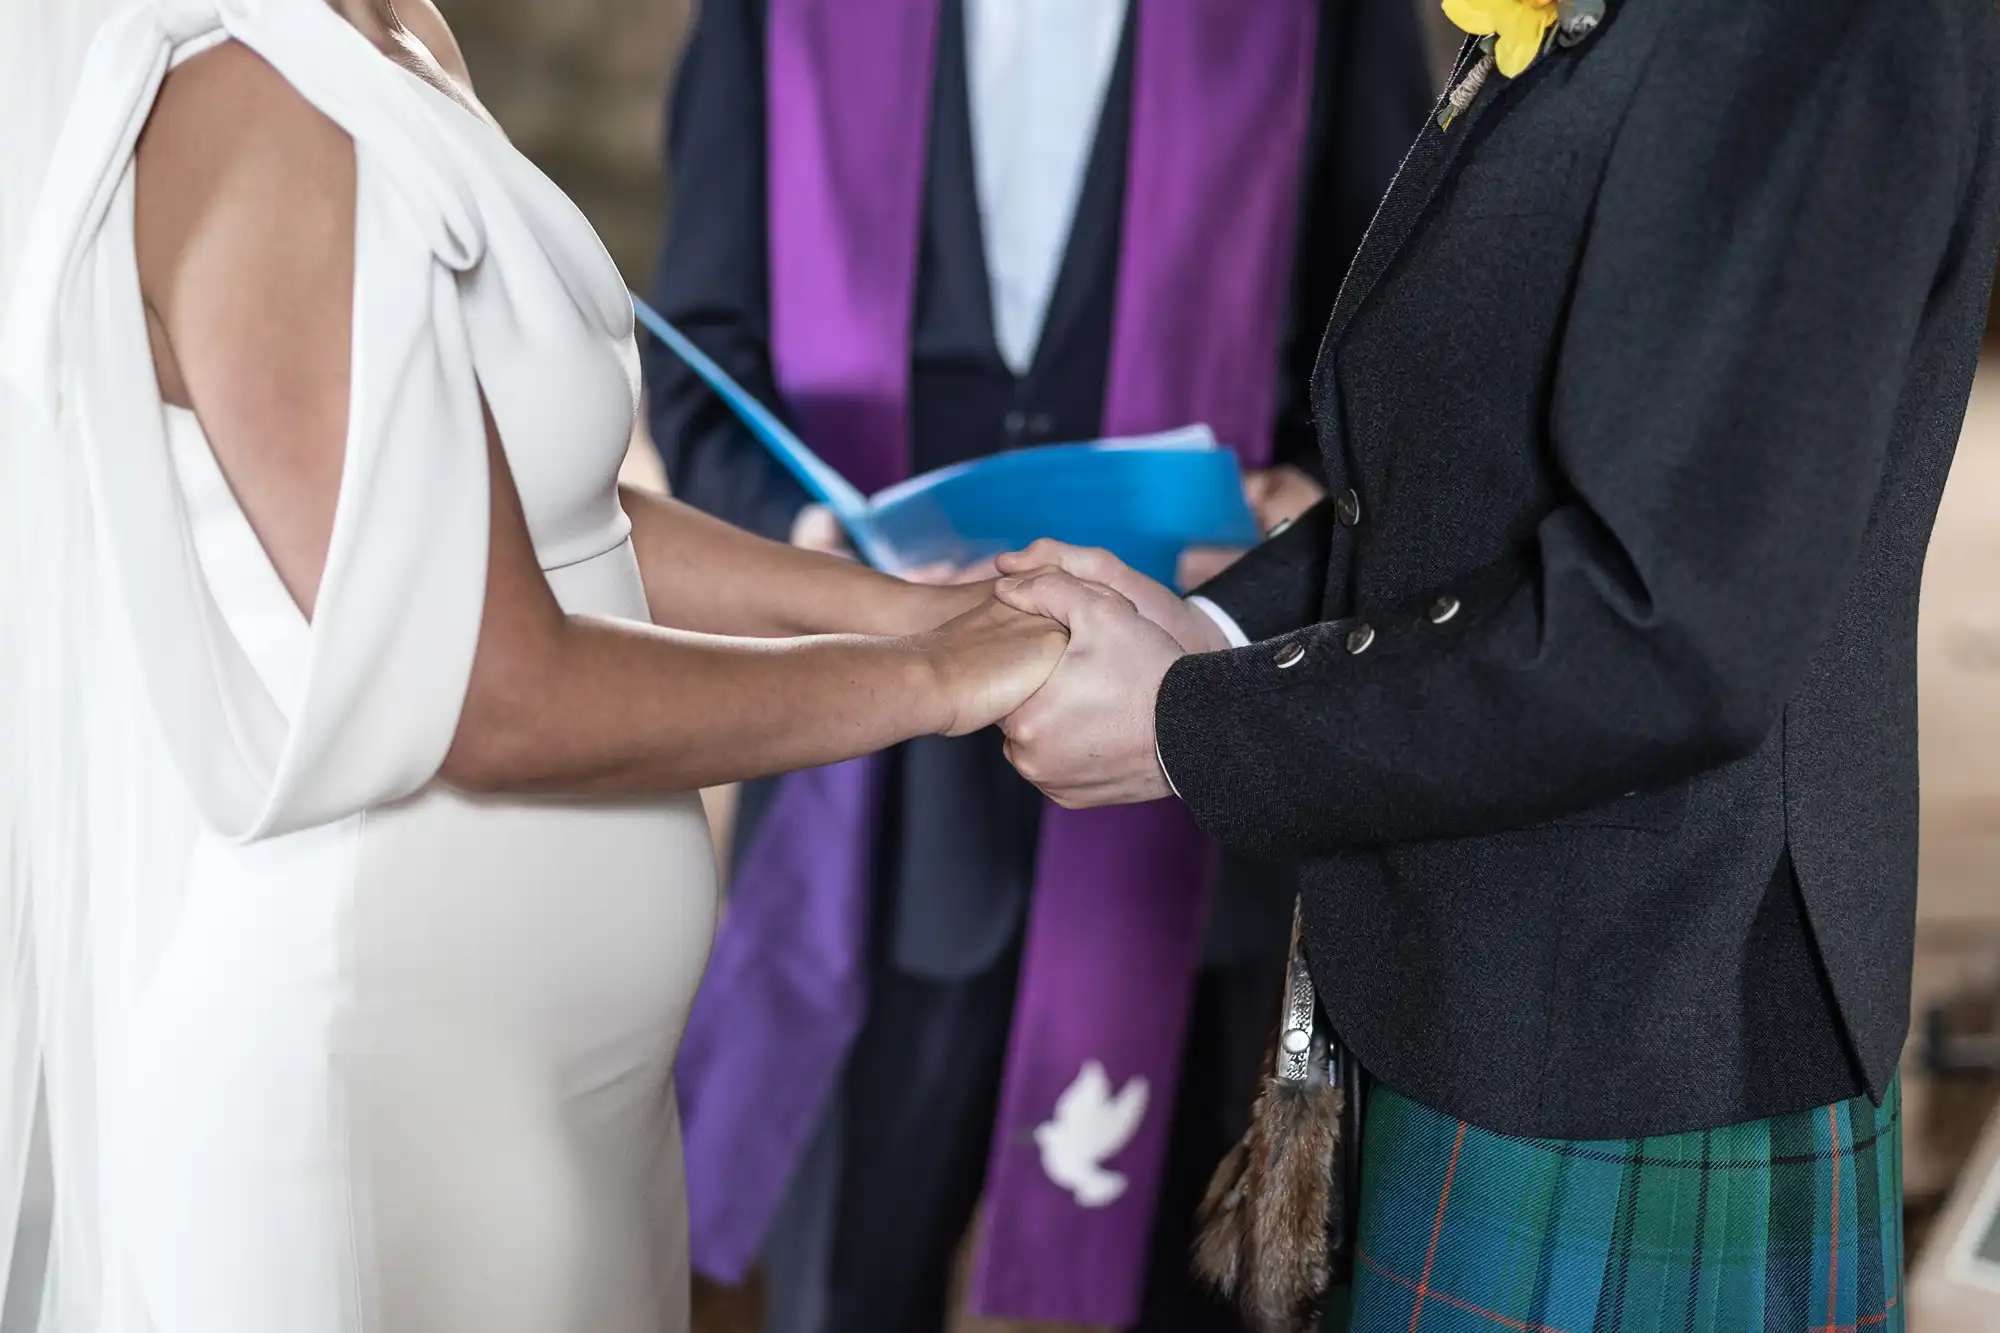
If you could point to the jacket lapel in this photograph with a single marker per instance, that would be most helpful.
(1424, 169)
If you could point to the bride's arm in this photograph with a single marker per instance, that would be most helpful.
(246, 224)
(562, 702)
(704, 574)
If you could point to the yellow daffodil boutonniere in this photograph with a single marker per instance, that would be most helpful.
(1514, 35)
(1518, 28)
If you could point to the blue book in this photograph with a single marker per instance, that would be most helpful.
(1146, 499)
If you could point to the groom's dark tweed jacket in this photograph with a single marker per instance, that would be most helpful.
(1643, 390)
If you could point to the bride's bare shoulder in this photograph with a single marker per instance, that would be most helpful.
(228, 135)
(229, 101)
(227, 123)
(243, 189)
(229, 77)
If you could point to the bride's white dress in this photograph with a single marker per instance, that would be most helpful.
(404, 1063)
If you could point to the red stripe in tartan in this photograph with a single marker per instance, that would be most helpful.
(1437, 1227)
(1520, 1325)
(1869, 1322)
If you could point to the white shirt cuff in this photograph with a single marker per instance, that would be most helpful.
(1237, 639)
(1223, 621)
(1162, 761)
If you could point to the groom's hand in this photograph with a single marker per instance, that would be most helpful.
(1191, 628)
(1087, 738)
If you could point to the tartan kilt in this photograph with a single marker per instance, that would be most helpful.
(1786, 1225)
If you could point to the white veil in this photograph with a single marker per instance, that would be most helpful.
(83, 781)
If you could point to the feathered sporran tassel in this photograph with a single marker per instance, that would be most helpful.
(1265, 1229)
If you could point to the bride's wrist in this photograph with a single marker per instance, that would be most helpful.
(929, 683)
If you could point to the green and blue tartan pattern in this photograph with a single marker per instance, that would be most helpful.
(1786, 1225)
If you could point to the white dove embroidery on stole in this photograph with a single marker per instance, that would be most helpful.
(1089, 1128)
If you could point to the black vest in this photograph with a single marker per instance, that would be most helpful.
(958, 855)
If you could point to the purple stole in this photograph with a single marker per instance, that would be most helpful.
(1222, 92)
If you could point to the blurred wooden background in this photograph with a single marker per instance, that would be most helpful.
(581, 87)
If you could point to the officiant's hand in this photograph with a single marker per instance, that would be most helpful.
(1277, 496)
(816, 529)
(1158, 603)
(1086, 739)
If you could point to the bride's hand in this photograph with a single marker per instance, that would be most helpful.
(1193, 630)
(988, 662)
(928, 597)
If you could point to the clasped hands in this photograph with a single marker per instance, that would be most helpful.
(1086, 736)
(1083, 733)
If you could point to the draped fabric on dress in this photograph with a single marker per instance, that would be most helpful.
(142, 717)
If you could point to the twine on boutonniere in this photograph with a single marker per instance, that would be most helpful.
(1513, 35)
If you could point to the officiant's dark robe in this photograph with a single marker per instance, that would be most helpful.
(966, 820)
(960, 835)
